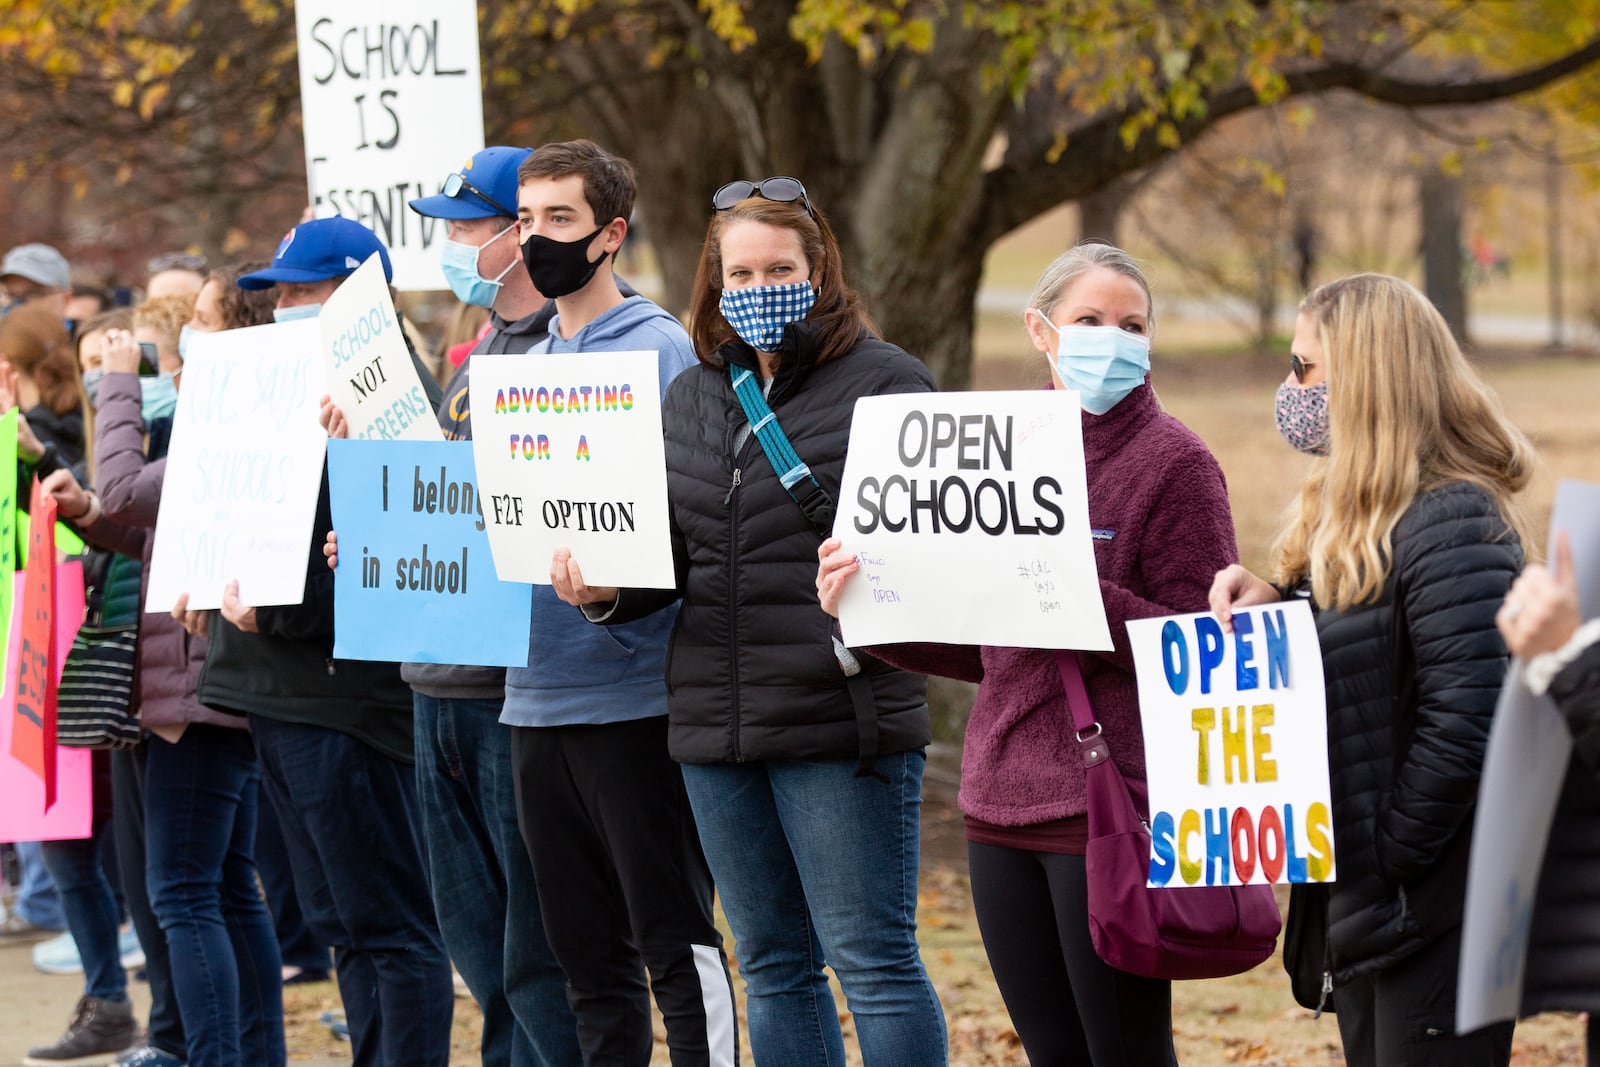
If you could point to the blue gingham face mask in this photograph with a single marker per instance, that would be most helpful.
(759, 313)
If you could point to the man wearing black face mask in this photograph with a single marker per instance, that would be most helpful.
(623, 885)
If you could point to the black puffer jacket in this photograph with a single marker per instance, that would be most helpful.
(751, 671)
(1405, 765)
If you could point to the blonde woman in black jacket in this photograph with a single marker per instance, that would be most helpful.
(1406, 538)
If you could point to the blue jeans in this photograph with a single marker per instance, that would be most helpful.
(37, 900)
(90, 905)
(295, 943)
(200, 814)
(818, 867)
(350, 821)
(483, 888)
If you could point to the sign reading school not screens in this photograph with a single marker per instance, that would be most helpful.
(390, 100)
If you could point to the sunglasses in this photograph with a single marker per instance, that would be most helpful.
(455, 183)
(1299, 367)
(780, 190)
(176, 261)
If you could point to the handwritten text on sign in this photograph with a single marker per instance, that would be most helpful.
(415, 580)
(1236, 747)
(968, 513)
(371, 377)
(569, 453)
(243, 470)
(391, 98)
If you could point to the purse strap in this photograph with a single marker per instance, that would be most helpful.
(1077, 693)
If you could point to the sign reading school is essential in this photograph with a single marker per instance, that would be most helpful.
(371, 376)
(969, 516)
(569, 454)
(391, 101)
(1236, 747)
(415, 580)
(243, 470)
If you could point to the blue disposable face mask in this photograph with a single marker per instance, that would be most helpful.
(185, 333)
(1103, 363)
(760, 313)
(91, 385)
(303, 311)
(158, 396)
(459, 261)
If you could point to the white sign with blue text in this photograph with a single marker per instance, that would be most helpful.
(371, 376)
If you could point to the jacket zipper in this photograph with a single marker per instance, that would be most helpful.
(733, 606)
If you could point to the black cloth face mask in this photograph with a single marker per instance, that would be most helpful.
(560, 268)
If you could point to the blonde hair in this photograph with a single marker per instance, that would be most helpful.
(166, 315)
(1079, 260)
(1406, 413)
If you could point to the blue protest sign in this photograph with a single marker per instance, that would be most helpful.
(415, 580)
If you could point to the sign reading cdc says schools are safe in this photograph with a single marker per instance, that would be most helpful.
(1236, 747)
(969, 516)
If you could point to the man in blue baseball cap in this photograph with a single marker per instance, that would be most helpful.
(311, 261)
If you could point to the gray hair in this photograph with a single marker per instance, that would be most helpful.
(1079, 260)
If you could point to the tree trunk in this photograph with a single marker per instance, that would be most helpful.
(1100, 213)
(1552, 200)
(1442, 265)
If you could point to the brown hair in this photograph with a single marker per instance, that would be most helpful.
(609, 184)
(244, 307)
(839, 315)
(35, 342)
(166, 315)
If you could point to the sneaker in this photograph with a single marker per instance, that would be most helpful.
(336, 1024)
(59, 955)
(99, 1030)
(146, 1056)
(15, 926)
(132, 952)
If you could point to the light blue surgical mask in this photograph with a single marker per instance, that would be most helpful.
(1103, 363)
(184, 334)
(302, 311)
(459, 262)
(158, 396)
(91, 385)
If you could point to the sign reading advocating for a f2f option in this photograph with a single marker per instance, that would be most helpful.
(569, 454)
(243, 470)
(370, 373)
(415, 581)
(969, 516)
(1235, 747)
(391, 99)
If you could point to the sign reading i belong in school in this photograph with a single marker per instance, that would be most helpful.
(1236, 747)
(415, 581)
(969, 516)
(569, 454)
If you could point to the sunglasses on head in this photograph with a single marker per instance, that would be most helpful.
(456, 182)
(1299, 367)
(780, 190)
(177, 261)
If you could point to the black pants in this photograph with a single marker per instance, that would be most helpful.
(127, 827)
(296, 943)
(1405, 1016)
(623, 887)
(1069, 1006)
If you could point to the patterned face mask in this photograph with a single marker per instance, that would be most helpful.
(1302, 414)
(760, 313)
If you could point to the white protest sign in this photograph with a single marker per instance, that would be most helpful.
(569, 453)
(1235, 747)
(391, 102)
(969, 515)
(243, 469)
(1523, 771)
(371, 376)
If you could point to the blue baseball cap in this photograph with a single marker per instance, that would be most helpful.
(484, 187)
(320, 249)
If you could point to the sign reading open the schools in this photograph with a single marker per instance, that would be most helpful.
(969, 516)
(415, 581)
(392, 103)
(1236, 747)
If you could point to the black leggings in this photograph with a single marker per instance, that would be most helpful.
(1068, 1005)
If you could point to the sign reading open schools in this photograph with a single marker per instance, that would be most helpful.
(569, 453)
(415, 581)
(243, 470)
(391, 98)
(371, 376)
(969, 515)
(1236, 747)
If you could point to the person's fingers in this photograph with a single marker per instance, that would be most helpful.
(181, 608)
(1561, 571)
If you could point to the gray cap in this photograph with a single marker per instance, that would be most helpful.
(38, 263)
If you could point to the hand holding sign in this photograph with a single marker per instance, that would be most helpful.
(566, 577)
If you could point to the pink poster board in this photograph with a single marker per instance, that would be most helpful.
(22, 813)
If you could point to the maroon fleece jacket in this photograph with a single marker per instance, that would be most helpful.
(1159, 507)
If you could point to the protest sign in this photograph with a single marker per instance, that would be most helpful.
(1523, 770)
(415, 580)
(24, 813)
(569, 453)
(391, 101)
(371, 376)
(243, 469)
(8, 531)
(1235, 747)
(969, 516)
(33, 726)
